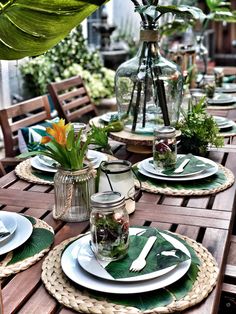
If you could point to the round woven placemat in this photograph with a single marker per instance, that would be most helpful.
(67, 294)
(170, 190)
(7, 270)
(24, 171)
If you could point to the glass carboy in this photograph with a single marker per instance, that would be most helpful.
(148, 87)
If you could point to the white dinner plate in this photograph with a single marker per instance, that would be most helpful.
(221, 99)
(88, 262)
(37, 164)
(9, 222)
(148, 166)
(227, 88)
(220, 120)
(228, 125)
(22, 233)
(204, 174)
(76, 273)
(95, 156)
(106, 117)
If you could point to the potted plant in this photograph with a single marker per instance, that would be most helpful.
(198, 130)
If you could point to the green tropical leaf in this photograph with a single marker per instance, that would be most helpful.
(155, 259)
(40, 239)
(31, 27)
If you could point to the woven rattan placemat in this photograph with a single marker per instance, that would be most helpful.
(24, 171)
(182, 189)
(71, 296)
(7, 270)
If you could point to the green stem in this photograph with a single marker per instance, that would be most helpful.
(139, 89)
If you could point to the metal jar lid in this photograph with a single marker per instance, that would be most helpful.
(165, 131)
(107, 199)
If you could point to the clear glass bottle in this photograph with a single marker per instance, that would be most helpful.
(148, 87)
(72, 194)
(109, 226)
(164, 148)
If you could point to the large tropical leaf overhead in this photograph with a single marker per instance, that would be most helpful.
(31, 27)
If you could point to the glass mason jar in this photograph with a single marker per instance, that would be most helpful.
(148, 87)
(72, 194)
(164, 148)
(109, 226)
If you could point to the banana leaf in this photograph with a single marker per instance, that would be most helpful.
(31, 27)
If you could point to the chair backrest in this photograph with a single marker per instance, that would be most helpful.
(23, 114)
(72, 100)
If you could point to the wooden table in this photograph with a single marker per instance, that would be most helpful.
(207, 219)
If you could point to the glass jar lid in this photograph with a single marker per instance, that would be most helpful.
(165, 131)
(107, 199)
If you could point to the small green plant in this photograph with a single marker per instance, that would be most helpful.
(198, 130)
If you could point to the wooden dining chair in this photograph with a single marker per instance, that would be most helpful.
(71, 100)
(20, 115)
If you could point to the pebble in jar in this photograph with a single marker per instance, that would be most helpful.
(164, 148)
(109, 226)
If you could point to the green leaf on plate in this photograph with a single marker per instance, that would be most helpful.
(155, 259)
(39, 240)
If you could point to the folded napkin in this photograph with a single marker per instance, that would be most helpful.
(3, 230)
(193, 166)
(162, 255)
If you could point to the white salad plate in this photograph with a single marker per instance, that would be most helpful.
(72, 269)
(106, 117)
(203, 174)
(9, 222)
(95, 157)
(221, 99)
(147, 164)
(21, 235)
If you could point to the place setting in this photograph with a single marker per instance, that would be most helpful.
(168, 261)
(226, 126)
(18, 237)
(221, 100)
(41, 169)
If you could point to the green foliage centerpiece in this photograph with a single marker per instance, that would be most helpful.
(198, 130)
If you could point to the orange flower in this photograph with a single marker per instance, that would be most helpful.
(45, 139)
(59, 131)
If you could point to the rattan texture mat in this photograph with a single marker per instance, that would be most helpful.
(171, 190)
(61, 288)
(24, 171)
(7, 270)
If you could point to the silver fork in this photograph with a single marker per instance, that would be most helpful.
(139, 263)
